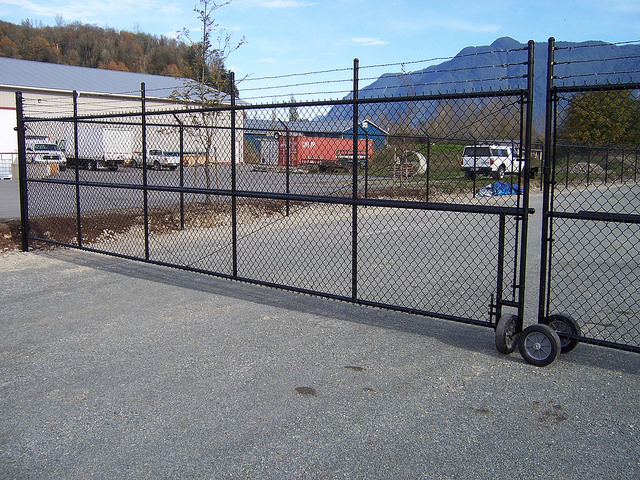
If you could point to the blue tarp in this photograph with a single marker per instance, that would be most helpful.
(500, 188)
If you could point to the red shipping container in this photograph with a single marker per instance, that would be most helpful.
(321, 151)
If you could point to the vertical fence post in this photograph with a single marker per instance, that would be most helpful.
(145, 193)
(547, 162)
(234, 202)
(426, 199)
(566, 178)
(475, 163)
(181, 133)
(287, 171)
(22, 173)
(589, 167)
(354, 194)
(77, 165)
(366, 164)
(502, 223)
(526, 181)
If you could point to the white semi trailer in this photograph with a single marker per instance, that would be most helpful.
(99, 146)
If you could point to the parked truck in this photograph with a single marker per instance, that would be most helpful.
(324, 153)
(158, 159)
(40, 149)
(99, 146)
(490, 159)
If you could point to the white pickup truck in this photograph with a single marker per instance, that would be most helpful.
(158, 159)
(489, 159)
(43, 150)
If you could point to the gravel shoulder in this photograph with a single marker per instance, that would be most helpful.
(118, 369)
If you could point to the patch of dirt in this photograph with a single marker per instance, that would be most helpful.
(98, 226)
(10, 236)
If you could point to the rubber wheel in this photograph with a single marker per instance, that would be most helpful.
(156, 165)
(500, 173)
(469, 175)
(539, 345)
(507, 333)
(564, 325)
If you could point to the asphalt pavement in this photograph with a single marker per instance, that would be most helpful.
(111, 368)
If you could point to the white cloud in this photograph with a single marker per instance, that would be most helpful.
(368, 41)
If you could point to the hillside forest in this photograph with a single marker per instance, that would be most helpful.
(90, 46)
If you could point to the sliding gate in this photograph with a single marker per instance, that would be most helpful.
(362, 199)
(590, 275)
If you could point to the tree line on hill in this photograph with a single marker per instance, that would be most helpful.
(90, 46)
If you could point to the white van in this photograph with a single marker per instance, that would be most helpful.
(492, 160)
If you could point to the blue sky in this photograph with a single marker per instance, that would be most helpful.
(293, 36)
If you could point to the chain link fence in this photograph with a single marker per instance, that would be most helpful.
(365, 200)
(591, 232)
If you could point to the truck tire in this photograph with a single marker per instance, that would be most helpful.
(500, 173)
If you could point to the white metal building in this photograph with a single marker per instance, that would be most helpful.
(47, 90)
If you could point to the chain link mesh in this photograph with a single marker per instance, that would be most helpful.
(594, 232)
(284, 195)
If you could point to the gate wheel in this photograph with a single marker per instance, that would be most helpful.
(539, 344)
(564, 324)
(507, 333)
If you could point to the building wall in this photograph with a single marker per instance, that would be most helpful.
(41, 103)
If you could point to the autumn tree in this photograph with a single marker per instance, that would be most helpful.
(602, 118)
(8, 48)
(91, 46)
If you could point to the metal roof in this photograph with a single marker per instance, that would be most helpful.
(322, 126)
(25, 73)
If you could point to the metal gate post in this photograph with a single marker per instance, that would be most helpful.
(22, 173)
(546, 172)
(287, 163)
(428, 173)
(234, 215)
(77, 169)
(526, 181)
(354, 193)
(145, 193)
(181, 133)
(366, 164)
